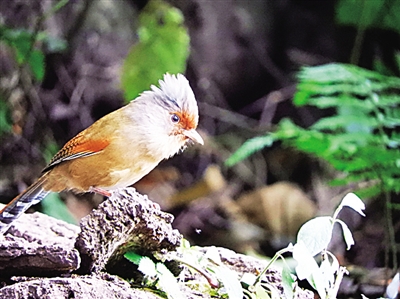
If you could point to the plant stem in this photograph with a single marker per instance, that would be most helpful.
(356, 50)
(276, 256)
(390, 233)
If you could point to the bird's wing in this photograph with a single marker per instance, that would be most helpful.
(77, 147)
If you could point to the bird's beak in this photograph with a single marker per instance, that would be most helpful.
(194, 136)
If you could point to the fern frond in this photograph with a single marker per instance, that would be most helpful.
(361, 139)
(336, 122)
(248, 148)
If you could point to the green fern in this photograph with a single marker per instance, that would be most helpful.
(359, 139)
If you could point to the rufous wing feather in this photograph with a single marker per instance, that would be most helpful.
(77, 147)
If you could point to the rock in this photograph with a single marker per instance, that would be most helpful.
(77, 287)
(38, 245)
(126, 221)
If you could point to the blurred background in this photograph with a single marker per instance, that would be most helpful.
(64, 64)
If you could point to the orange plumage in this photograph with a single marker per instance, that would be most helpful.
(120, 148)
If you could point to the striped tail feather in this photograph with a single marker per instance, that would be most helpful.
(31, 196)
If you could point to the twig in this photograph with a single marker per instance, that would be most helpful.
(227, 116)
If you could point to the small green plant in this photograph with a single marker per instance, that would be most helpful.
(360, 139)
(155, 275)
(221, 281)
(312, 241)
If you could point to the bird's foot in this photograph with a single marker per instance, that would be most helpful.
(100, 191)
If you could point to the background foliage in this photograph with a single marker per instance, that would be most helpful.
(163, 47)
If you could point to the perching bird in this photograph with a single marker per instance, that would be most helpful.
(120, 148)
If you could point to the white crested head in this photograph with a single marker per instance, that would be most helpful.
(173, 86)
(168, 116)
(174, 92)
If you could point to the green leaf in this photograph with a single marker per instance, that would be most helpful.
(343, 121)
(19, 39)
(133, 257)
(358, 13)
(365, 14)
(53, 206)
(342, 100)
(36, 63)
(163, 47)
(5, 122)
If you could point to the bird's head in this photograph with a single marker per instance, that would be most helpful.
(169, 115)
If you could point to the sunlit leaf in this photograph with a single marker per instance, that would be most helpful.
(392, 289)
(147, 267)
(306, 265)
(316, 234)
(261, 293)
(248, 279)
(230, 281)
(328, 273)
(353, 201)
(228, 278)
(287, 282)
(168, 282)
(348, 236)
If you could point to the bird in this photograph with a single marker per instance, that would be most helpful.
(120, 148)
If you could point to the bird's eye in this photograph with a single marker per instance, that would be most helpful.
(175, 118)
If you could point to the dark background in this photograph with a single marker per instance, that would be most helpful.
(244, 56)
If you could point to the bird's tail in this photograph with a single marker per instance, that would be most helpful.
(31, 196)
